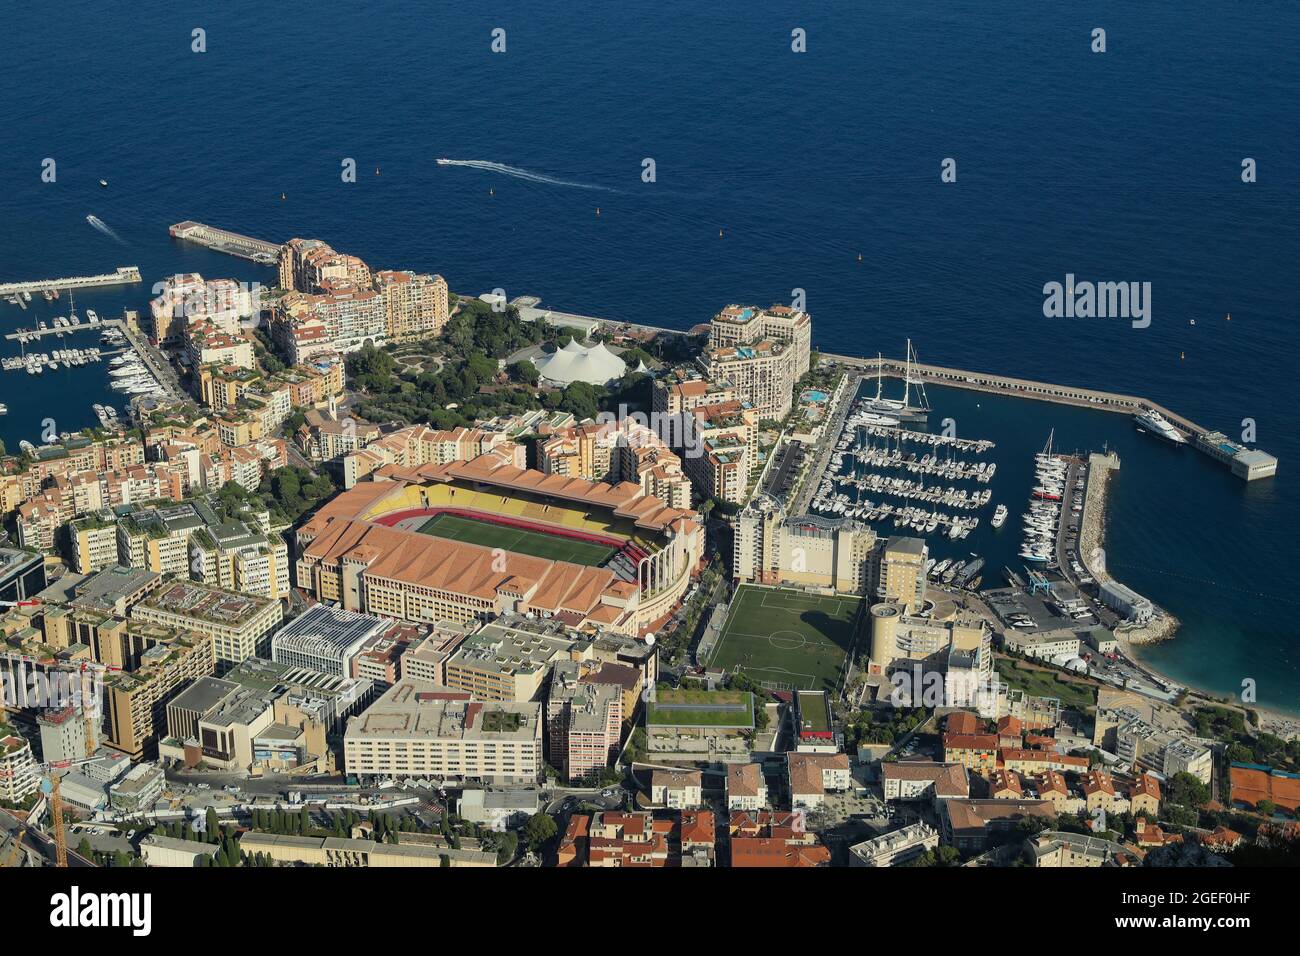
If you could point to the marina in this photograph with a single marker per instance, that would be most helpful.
(130, 372)
(881, 473)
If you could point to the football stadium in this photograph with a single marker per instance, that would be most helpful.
(787, 639)
(468, 540)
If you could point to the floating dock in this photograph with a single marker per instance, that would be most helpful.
(222, 240)
(123, 276)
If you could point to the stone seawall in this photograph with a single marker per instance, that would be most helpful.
(1092, 534)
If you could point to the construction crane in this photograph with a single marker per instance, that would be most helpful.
(50, 797)
(30, 821)
(50, 787)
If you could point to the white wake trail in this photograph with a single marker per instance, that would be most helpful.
(524, 174)
(103, 227)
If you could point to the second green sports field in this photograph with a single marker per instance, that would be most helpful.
(786, 639)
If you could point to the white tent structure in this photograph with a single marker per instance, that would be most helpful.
(594, 364)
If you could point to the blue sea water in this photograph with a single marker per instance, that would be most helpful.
(1116, 166)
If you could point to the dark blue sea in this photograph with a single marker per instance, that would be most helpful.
(1119, 166)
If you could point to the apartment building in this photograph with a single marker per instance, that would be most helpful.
(770, 548)
(418, 730)
(92, 541)
(677, 789)
(502, 661)
(584, 720)
(813, 775)
(136, 700)
(763, 375)
(739, 325)
(924, 780)
(238, 624)
(895, 847)
(420, 445)
(746, 787)
(414, 305)
(206, 344)
(18, 773)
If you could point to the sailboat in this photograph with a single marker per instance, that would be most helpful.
(880, 403)
(923, 403)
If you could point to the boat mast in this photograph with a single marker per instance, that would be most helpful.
(907, 375)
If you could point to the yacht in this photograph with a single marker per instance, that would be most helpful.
(871, 418)
(1155, 423)
(999, 516)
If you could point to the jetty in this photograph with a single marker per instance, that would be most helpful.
(124, 275)
(222, 240)
(1246, 463)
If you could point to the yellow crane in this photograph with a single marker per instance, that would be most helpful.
(51, 797)
(50, 787)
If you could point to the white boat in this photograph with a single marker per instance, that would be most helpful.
(999, 516)
(1159, 426)
(871, 418)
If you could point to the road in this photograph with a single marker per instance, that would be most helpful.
(42, 844)
(157, 364)
(830, 435)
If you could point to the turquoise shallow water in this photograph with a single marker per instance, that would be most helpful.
(1122, 166)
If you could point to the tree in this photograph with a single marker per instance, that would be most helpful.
(539, 830)
(1266, 807)
(947, 856)
(508, 845)
(1187, 790)
(524, 372)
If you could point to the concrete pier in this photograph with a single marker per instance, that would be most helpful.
(222, 240)
(1248, 464)
(123, 276)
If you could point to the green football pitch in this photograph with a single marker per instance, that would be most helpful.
(518, 540)
(788, 640)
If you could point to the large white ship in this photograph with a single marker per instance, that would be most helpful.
(1155, 423)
